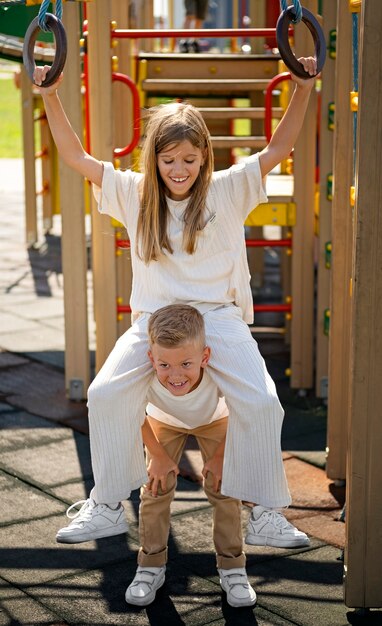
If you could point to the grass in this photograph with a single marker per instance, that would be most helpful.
(10, 120)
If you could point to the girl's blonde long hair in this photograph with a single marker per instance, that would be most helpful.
(168, 125)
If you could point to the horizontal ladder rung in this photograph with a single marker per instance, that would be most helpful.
(230, 141)
(179, 86)
(228, 57)
(253, 113)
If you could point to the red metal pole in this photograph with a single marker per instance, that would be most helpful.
(85, 77)
(268, 102)
(120, 33)
(122, 243)
(258, 308)
(270, 243)
(250, 243)
(120, 152)
(272, 308)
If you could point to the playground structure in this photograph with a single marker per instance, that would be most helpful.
(330, 218)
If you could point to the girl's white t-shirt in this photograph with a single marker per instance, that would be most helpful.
(199, 407)
(217, 273)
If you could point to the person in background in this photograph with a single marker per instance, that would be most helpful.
(196, 11)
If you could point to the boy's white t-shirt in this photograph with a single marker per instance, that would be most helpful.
(217, 272)
(199, 407)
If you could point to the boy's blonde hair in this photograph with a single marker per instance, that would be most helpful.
(176, 324)
(168, 125)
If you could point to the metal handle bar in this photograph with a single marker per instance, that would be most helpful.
(268, 102)
(120, 152)
(120, 33)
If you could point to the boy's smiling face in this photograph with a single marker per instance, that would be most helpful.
(179, 369)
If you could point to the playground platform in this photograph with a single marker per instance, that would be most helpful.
(45, 466)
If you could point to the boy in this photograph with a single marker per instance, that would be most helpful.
(183, 400)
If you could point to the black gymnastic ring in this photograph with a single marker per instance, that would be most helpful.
(56, 27)
(282, 28)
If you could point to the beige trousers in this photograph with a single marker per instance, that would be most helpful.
(154, 513)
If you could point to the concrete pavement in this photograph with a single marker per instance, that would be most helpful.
(45, 467)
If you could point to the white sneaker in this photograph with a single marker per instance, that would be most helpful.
(235, 583)
(92, 521)
(146, 581)
(271, 528)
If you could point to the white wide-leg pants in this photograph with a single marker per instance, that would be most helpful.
(253, 468)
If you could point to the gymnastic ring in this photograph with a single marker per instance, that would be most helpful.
(286, 53)
(56, 27)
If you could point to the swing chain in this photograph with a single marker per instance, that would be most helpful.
(43, 11)
(297, 9)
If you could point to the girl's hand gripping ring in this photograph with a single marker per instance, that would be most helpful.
(282, 28)
(56, 27)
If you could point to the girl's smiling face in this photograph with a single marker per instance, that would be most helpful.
(179, 166)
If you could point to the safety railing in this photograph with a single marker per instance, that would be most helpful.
(126, 80)
(268, 101)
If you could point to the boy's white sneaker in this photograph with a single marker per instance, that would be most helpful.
(92, 521)
(235, 583)
(147, 581)
(271, 528)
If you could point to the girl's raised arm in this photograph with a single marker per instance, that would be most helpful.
(287, 131)
(68, 144)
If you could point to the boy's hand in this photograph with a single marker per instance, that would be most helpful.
(215, 466)
(39, 76)
(310, 65)
(158, 470)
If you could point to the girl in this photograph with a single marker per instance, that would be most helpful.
(185, 225)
